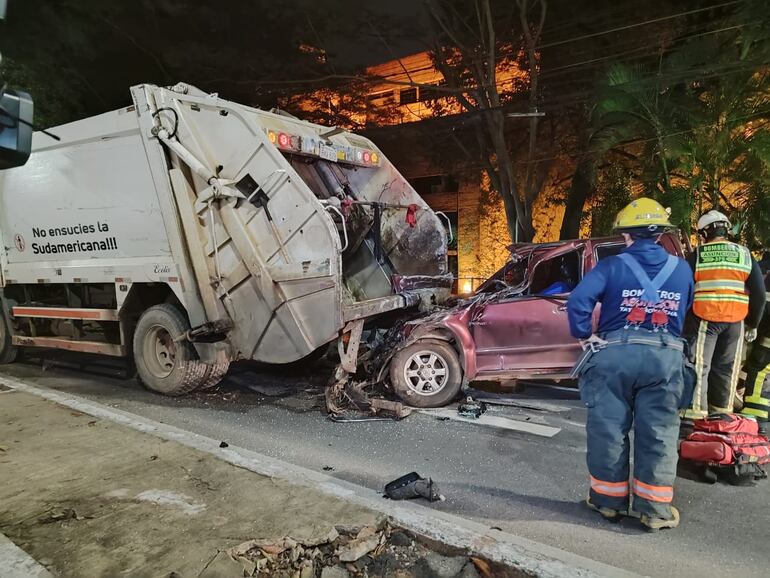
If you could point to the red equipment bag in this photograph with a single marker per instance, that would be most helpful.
(727, 423)
(707, 452)
(726, 440)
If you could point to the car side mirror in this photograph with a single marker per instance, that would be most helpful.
(16, 112)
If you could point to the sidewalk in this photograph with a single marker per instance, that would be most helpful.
(86, 497)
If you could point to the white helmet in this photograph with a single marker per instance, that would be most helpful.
(712, 218)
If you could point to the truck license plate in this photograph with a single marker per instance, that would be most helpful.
(327, 152)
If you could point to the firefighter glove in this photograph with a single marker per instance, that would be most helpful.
(750, 335)
(594, 343)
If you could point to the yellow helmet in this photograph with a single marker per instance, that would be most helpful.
(643, 213)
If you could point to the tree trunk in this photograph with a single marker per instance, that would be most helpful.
(514, 207)
(511, 218)
(580, 190)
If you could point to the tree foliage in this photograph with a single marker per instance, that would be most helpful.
(699, 122)
(613, 192)
(79, 57)
(584, 37)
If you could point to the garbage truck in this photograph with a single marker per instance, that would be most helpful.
(186, 232)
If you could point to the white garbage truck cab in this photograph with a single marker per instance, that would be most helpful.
(186, 232)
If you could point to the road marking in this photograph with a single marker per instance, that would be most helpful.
(496, 421)
(537, 559)
(16, 563)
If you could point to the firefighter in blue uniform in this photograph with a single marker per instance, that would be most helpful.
(633, 371)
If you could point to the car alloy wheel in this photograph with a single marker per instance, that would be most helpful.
(426, 373)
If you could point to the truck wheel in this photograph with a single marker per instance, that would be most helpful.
(215, 372)
(8, 351)
(426, 374)
(163, 364)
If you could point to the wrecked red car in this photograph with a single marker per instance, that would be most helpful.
(514, 327)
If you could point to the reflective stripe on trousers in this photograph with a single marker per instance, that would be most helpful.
(613, 489)
(756, 402)
(662, 494)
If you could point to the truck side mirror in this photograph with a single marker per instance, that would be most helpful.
(16, 113)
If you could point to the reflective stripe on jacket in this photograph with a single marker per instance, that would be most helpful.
(721, 271)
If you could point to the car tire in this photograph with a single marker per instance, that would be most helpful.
(163, 364)
(427, 373)
(8, 351)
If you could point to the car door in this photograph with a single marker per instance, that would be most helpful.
(526, 334)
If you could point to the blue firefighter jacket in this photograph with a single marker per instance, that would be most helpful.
(613, 284)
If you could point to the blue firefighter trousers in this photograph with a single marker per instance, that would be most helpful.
(637, 380)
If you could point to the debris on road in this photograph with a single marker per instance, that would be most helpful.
(395, 408)
(354, 418)
(60, 515)
(483, 567)
(224, 445)
(443, 566)
(289, 557)
(495, 421)
(471, 408)
(411, 486)
(365, 541)
(345, 396)
(507, 400)
(353, 552)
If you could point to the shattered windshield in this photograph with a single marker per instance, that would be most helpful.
(513, 275)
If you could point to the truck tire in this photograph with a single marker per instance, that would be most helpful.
(215, 372)
(427, 373)
(8, 351)
(164, 365)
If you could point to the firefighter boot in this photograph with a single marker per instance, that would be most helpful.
(654, 524)
(608, 514)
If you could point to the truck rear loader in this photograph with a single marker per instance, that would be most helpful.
(186, 232)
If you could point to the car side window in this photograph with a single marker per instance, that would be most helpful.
(558, 275)
(604, 251)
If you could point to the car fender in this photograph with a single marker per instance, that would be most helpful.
(454, 330)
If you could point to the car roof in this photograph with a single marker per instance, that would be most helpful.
(516, 247)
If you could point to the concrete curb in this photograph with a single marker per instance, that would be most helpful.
(531, 557)
(16, 563)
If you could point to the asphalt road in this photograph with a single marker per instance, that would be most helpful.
(525, 484)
